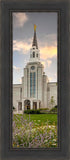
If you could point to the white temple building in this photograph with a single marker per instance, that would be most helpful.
(36, 91)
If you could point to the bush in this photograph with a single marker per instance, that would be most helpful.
(13, 107)
(55, 106)
(32, 111)
(53, 109)
(44, 109)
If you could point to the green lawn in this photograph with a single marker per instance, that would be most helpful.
(38, 119)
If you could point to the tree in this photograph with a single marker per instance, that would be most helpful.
(52, 101)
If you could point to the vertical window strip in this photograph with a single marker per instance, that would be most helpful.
(32, 84)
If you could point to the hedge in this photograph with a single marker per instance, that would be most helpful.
(32, 111)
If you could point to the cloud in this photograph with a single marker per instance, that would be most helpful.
(19, 19)
(48, 40)
(16, 68)
(48, 52)
(51, 39)
(25, 61)
(48, 47)
(50, 79)
(49, 62)
(55, 75)
(21, 46)
(44, 63)
(19, 80)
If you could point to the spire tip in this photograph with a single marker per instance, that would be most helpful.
(34, 27)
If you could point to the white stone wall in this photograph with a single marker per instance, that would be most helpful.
(37, 51)
(44, 91)
(25, 82)
(22, 87)
(51, 91)
(17, 94)
(40, 83)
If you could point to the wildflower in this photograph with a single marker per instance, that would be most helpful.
(39, 120)
(54, 144)
(54, 140)
(46, 140)
(49, 126)
(17, 145)
(31, 134)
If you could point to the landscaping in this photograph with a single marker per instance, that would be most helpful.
(35, 130)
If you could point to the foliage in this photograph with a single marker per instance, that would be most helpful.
(44, 109)
(28, 133)
(52, 101)
(32, 111)
(13, 107)
(54, 109)
(56, 106)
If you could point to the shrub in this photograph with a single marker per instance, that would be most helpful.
(32, 111)
(53, 109)
(13, 107)
(55, 106)
(44, 109)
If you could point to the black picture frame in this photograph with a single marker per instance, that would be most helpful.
(7, 7)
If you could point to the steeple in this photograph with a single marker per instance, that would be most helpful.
(34, 51)
(34, 38)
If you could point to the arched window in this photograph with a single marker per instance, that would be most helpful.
(33, 54)
(37, 55)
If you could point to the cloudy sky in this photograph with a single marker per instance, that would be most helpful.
(23, 30)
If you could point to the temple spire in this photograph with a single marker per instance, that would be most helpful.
(34, 51)
(34, 38)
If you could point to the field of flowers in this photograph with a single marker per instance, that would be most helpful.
(35, 131)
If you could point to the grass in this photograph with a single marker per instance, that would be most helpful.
(35, 130)
(39, 119)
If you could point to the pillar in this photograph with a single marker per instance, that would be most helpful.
(23, 105)
(17, 107)
(37, 104)
(31, 104)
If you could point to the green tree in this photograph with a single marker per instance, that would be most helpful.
(52, 101)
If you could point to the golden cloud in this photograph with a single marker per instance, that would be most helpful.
(50, 79)
(48, 52)
(44, 63)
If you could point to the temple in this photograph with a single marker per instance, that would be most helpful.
(36, 91)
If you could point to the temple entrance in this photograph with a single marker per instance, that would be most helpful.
(34, 105)
(19, 106)
(26, 104)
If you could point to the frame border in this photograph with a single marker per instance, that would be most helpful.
(11, 90)
(63, 79)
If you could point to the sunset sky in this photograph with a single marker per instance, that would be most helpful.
(23, 30)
